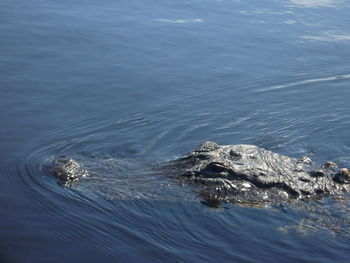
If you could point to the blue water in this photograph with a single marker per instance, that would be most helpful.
(140, 82)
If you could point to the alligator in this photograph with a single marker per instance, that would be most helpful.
(238, 174)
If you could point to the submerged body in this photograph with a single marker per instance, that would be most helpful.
(239, 174)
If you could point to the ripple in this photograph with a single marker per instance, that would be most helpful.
(329, 37)
(119, 158)
(126, 207)
(308, 81)
(181, 21)
(156, 94)
(315, 3)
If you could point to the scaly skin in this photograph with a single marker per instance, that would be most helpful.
(249, 174)
(240, 174)
(67, 171)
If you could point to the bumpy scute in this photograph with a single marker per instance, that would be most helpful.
(240, 174)
(247, 173)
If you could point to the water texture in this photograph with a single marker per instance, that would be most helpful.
(124, 85)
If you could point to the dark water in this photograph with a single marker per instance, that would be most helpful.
(130, 83)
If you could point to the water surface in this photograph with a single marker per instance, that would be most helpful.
(142, 82)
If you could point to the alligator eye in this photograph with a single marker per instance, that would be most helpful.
(203, 156)
(235, 154)
(343, 176)
(317, 173)
(216, 167)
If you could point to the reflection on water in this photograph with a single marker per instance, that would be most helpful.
(329, 37)
(192, 20)
(330, 215)
(315, 3)
(305, 82)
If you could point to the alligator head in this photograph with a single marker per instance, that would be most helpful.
(247, 173)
